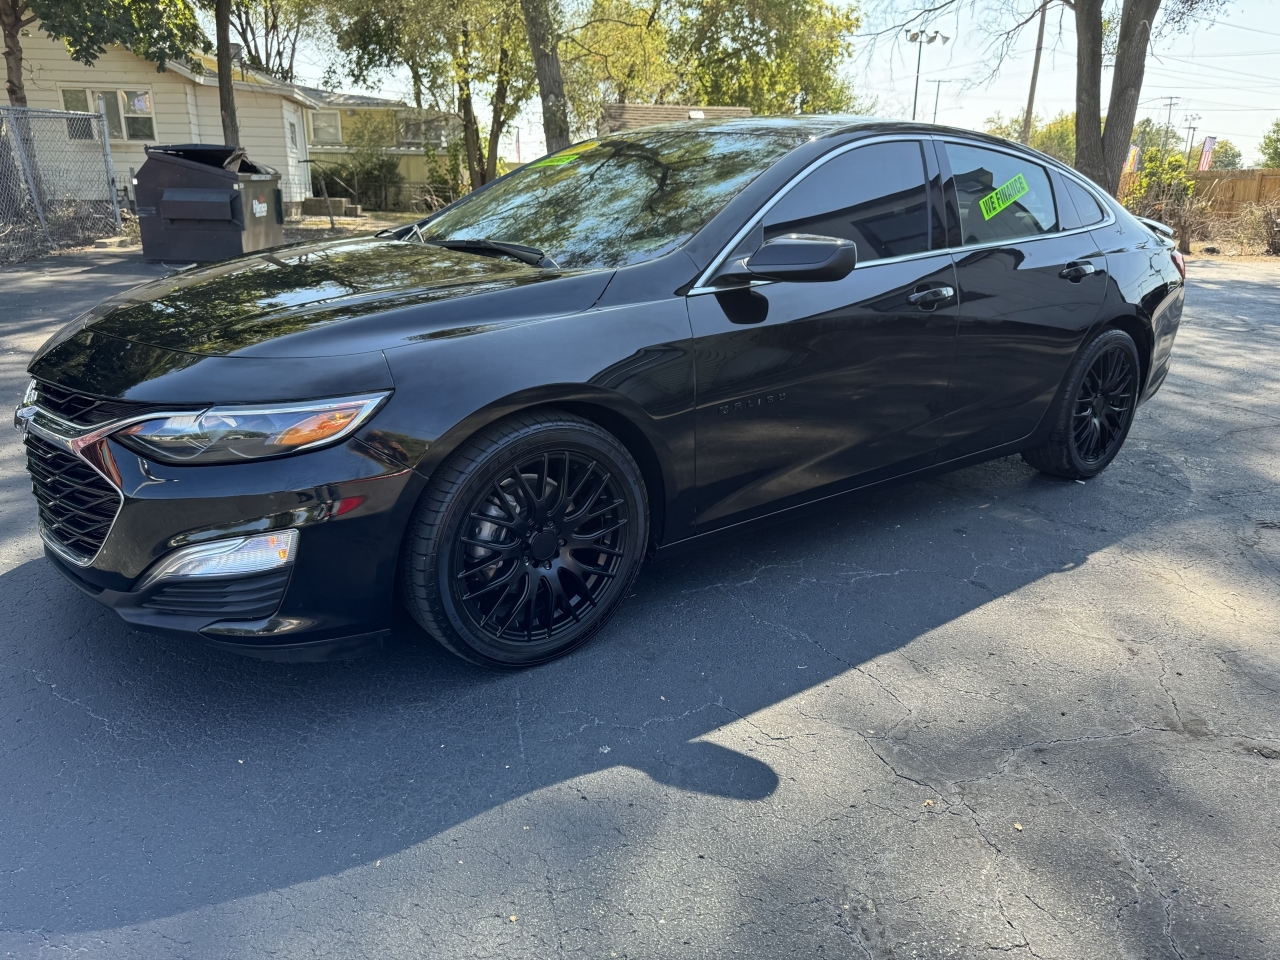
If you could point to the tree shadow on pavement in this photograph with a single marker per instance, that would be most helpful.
(184, 777)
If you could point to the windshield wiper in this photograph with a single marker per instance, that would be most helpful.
(530, 255)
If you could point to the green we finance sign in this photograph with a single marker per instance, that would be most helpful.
(1003, 196)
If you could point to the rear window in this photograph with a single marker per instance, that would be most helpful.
(1001, 196)
(1086, 206)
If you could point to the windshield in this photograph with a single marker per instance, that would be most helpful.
(620, 200)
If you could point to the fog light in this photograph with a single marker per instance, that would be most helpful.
(227, 558)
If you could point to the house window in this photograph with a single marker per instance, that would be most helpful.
(326, 127)
(78, 128)
(129, 112)
(293, 136)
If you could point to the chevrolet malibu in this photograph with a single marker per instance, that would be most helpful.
(493, 415)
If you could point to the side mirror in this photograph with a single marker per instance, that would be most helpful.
(801, 258)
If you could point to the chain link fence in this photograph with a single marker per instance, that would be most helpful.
(57, 188)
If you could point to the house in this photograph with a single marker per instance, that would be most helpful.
(419, 134)
(628, 116)
(178, 104)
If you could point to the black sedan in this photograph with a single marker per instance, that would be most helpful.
(494, 414)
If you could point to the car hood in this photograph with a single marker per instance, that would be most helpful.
(322, 313)
(326, 299)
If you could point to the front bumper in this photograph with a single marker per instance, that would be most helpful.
(349, 504)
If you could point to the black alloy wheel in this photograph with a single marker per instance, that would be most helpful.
(527, 540)
(1104, 405)
(1093, 412)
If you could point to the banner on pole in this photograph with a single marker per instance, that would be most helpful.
(1206, 155)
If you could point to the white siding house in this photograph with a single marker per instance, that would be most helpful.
(177, 105)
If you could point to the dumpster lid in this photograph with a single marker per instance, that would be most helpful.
(220, 155)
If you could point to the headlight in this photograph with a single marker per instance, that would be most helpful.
(233, 433)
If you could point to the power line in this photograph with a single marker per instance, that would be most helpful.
(1234, 26)
(1235, 73)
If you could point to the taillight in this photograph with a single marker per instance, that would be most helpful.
(1179, 263)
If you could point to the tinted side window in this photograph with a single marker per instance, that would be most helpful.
(1002, 197)
(873, 195)
(1086, 205)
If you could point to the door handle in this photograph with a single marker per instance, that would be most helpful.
(1075, 272)
(931, 297)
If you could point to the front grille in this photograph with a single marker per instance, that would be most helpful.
(84, 410)
(77, 506)
(249, 598)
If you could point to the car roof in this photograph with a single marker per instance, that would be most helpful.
(823, 126)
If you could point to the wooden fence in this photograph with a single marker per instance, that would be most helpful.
(1228, 189)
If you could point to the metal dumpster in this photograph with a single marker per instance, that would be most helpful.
(206, 202)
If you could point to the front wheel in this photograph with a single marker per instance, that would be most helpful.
(1092, 415)
(526, 540)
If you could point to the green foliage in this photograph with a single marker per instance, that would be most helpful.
(1158, 183)
(157, 30)
(456, 51)
(1148, 134)
(1057, 137)
(1269, 148)
(1226, 156)
(774, 56)
(618, 51)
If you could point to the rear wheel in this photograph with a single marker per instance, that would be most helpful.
(1092, 415)
(526, 540)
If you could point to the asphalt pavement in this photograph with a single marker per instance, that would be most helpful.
(984, 713)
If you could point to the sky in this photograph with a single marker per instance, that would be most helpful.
(1223, 71)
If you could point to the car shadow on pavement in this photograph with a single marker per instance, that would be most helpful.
(186, 777)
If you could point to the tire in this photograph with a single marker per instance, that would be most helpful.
(1092, 414)
(526, 540)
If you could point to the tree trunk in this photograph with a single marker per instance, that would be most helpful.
(1126, 87)
(12, 22)
(498, 105)
(470, 134)
(1089, 89)
(544, 43)
(226, 92)
(1100, 155)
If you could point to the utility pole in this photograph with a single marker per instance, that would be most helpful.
(921, 38)
(937, 92)
(1164, 136)
(1035, 75)
(1191, 133)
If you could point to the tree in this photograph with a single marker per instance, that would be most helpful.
(457, 52)
(774, 56)
(1226, 156)
(619, 51)
(156, 30)
(1148, 133)
(269, 32)
(1269, 148)
(1100, 36)
(1057, 137)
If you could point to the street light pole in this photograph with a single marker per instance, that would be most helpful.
(921, 38)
